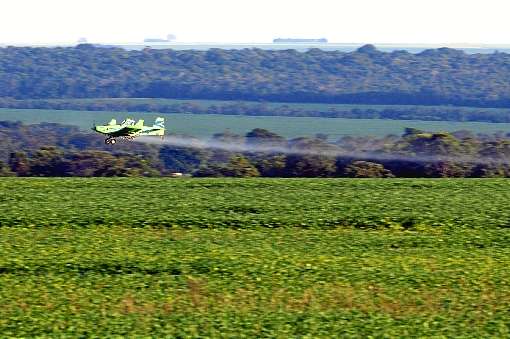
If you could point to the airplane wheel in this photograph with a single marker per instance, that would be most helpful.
(106, 141)
(112, 141)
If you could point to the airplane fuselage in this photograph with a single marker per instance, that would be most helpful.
(128, 129)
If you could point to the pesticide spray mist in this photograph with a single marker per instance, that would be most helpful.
(328, 152)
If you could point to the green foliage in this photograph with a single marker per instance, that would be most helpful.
(210, 170)
(367, 169)
(318, 163)
(259, 153)
(91, 258)
(309, 166)
(48, 161)
(437, 144)
(271, 165)
(247, 203)
(363, 76)
(182, 159)
(5, 170)
(95, 164)
(239, 166)
(261, 136)
(19, 164)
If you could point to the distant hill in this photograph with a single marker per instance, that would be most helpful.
(366, 76)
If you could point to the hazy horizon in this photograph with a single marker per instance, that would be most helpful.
(227, 43)
(397, 22)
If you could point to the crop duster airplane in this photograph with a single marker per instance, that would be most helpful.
(129, 130)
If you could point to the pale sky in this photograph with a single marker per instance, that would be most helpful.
(344, 21)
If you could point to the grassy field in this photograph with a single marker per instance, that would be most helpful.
(254, 258)
(200, 125)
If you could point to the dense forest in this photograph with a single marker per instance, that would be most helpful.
(58, 150)
(433, 77)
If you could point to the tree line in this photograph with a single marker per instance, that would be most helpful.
(433, 77)
(59, 150)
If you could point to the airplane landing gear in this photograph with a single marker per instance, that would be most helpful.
(110, 141)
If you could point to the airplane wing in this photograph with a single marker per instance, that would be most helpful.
(126, 131)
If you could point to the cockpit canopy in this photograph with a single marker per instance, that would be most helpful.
(128, 121)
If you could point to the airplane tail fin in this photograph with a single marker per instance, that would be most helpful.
(159, 122)
(139, 123)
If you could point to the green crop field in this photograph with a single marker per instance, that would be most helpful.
(245, 203)
(205, 125)
(311, 106)
(254, 257)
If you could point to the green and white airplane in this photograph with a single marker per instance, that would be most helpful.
(129, 130)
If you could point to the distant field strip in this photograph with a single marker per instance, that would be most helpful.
(205, 125)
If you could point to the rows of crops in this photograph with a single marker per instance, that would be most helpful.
(247, 203)
(255, 283)
(254, 258)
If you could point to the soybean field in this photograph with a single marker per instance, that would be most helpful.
(254, 257)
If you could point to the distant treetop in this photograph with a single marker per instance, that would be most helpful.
(441, 76)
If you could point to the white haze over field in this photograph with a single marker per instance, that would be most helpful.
(330, 151)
